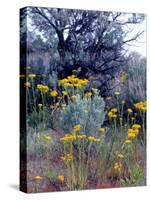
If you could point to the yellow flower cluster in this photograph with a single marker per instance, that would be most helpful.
(77, 128)
(81, 136)
(141, 105)
(129, 110)
(123, 76)
(61, 178)
(47, 138)
(132, 133)
(118, 166)
(54, 93)
(67, 157)
(91, 138)
(73, 81)
(68, 137)
(73, 97)
(128, 141)
(136, 126)
(64, 93)
(64, 106)
(71, 137)
(120, 155)
(112, 113)
(88, 94)
(31, 76)
(38, 178)
(101, 130)
(27, 84)
(43, 88)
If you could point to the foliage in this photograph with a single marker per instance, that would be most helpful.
(88, 112)
(136, 81)
(91, 41)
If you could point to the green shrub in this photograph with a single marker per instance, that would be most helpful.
(88, 112)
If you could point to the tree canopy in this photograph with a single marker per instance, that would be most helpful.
(91, 42)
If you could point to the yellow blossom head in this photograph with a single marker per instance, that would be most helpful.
(64, 93)
(136, 126)
(61, 178)
(54, 93)
(47, 138)
(38, 178)
(129, 110)
(31, 76)
(88, 94)
(77, 127)
(128, 141)
(67, 157)
(27, 84)
(73, 97)
(118, 166)
(101, 130)
(120, 155)
(43, 88)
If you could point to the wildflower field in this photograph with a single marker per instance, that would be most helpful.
(78, 143)
(85, 127)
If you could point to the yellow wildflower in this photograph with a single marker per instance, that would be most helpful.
(110, 114)
(27, 84)
(114, 110)
(31, 76)
(129, 110)
(131, 135)
(54, 93)
(120, 155)
(136, 126)
(91, 138)
(67, 157)
(81, 136)
(118, 166)
(114, 116)
(61, 178)
(77, 127)
(128, 141)
(141, 106)
(47, 138)
(68, 137)
(68, 84)
(38, 178)
(102, 130)
(64, 93)
(43, 88)
(73, 97)
(88, 94)
(74, 71)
